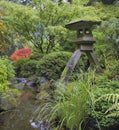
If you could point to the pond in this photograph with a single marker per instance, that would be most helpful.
(19, 118)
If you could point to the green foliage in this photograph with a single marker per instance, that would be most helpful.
(66, 44)
(106, 86)
(110, 35)
(113, 111)
(105, 83)
(28, 69)
(20, 23)
(71, 102)
(111, 98)
(3, 71)
(46, 30)
(110, 72)
(52, 65)
(3, 87)
(51, 25)
(109, 12)
(106, 47)
(6, 71)
(105, 95)
(81, 2)
(10, 98)
(49, 66)
(10, 67)
(18, 65)
(68, 105)
(25, 18)
(36, 55)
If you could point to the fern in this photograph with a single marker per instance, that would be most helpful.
(109, 97)
(113, 114)
(112, 111)
(113, 107)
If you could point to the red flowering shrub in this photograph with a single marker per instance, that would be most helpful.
(21, 53)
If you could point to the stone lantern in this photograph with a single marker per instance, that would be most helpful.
(84, 43)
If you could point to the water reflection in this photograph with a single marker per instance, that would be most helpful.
(19, 118)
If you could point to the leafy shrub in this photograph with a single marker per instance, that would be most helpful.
(10, 68)
(29, 68)
(36, 55)
(21, 53)
(112, 111)
(10, 98)
(103, 103)
(3, 77)
(25, 67)
(109, 73)
(107, 39)
(51, 65)
(18, 65)
(6, 71)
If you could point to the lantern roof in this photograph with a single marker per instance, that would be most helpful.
(81, 24)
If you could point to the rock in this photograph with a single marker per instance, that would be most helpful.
(43, 80)
(31, 84)
(21, 80)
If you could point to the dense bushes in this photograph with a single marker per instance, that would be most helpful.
(29, 68)
(67, 108)
(81, 102)
(25, 67)
(49, 66)
(19, 65)
(102, 103)
(105, 83)
(3, 76)
(21, 53)
(52, 65)
(8, 96)
(107, 46)
(110, 35)
(6, 71)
